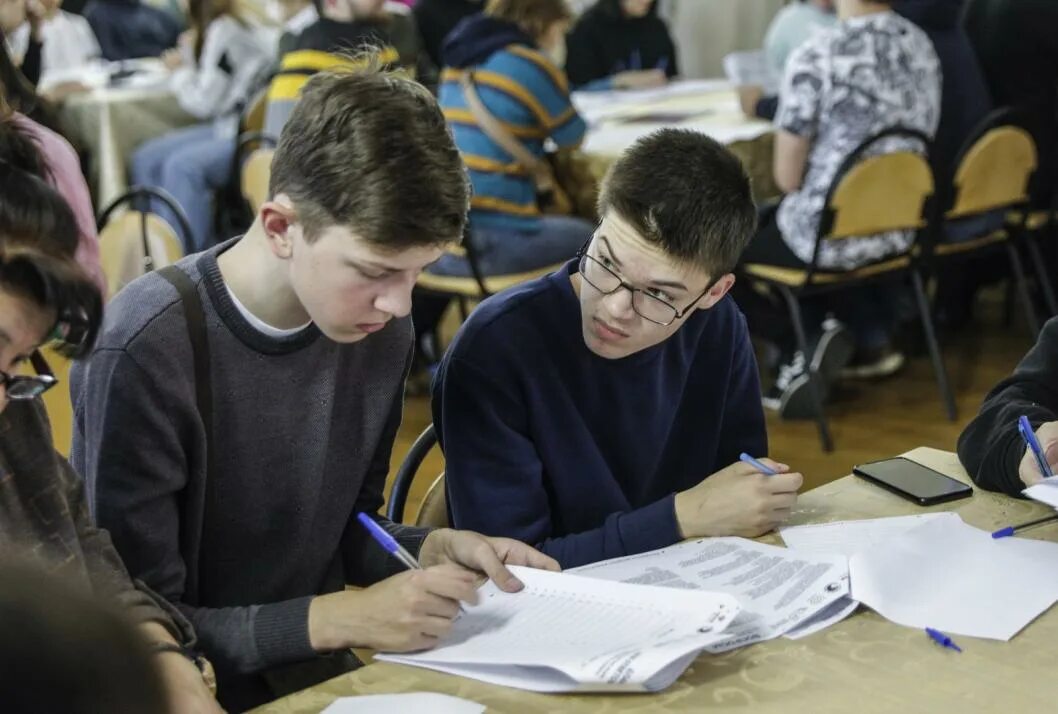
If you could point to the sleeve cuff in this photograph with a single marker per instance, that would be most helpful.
(281, 631)
(650, 527)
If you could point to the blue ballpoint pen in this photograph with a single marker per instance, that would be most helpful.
(388, 542)
(744, 457)
(1025, 429)
(942, 639)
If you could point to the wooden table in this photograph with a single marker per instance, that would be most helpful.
(617, 119)
(860, 666)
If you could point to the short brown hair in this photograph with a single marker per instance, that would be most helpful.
(370, 149)
(533, 16)
(685, 193)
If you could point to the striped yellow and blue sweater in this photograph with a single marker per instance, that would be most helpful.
(522, 88)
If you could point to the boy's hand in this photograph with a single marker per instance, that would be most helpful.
(738, 501)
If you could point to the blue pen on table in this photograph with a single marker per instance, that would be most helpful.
(388, 542)
(663, 64)
(942, 639)
(1025, 429)
(1011, 530)
(746, 458)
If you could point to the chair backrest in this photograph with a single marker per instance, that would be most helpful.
(253, 114)
(256, 172)
(398, 495)
(877, 192)
(433, 513)
(994, 172)
(132, 242)
(57, 401)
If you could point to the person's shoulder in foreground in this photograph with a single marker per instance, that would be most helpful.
(991, 448)
(583, 412)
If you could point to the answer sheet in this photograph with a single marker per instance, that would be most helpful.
(850, 537)
(566, 633)
(957, 579)
(778, 589)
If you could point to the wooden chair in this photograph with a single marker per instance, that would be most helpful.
(468, 291)
(434, 509)
(993, 174)
(255, 174)
(132, 242)
(869, 194)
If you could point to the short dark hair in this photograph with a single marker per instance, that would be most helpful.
(534, 17)
(685, 193)
(370, 149)
(38, 243)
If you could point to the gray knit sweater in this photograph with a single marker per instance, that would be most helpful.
(302, 432)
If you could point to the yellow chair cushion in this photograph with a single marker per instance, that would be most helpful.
(967, 246)
(468, 287)
(795, 277)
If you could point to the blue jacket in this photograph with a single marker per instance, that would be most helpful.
(129, 29)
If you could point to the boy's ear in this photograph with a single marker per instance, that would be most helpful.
(716, 293)
(278, 218)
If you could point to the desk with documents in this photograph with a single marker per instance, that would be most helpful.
(861, 665)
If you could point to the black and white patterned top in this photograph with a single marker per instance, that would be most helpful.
(842, 86)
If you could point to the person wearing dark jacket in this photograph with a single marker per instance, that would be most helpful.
(991, 448)
(965, 99)
(620, 44)
(1017, 44)
(129, 29)
(436, 18)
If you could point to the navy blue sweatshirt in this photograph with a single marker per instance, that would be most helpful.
(551, 444)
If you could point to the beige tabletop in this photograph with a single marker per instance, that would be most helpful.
(859, 666)
(617, 119)
(111, 123)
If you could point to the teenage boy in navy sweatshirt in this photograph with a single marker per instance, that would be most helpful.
(600, 411)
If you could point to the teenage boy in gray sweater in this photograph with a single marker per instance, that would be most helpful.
(250, 526)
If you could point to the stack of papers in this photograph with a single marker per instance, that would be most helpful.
(565, 633)
(779, 590)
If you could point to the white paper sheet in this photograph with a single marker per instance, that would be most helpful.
(411, 702)
(850, 537)
(830, 615)
(958, 579)
(569, 633)
(1045, 492)
(778, 589)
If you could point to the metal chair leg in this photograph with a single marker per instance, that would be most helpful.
(934, 346)
(1023, 289)
(814, 384)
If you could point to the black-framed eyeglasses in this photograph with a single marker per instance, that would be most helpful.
(649, 307)
(18, 386)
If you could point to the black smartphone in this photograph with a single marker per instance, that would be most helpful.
(913, 481)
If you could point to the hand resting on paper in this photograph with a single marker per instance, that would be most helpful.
(414, 610)
(1047, 435)
(738, 501)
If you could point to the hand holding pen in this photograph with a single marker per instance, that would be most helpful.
(1041, 450)
(748, 499)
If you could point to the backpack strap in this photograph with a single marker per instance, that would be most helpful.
(196, 330)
